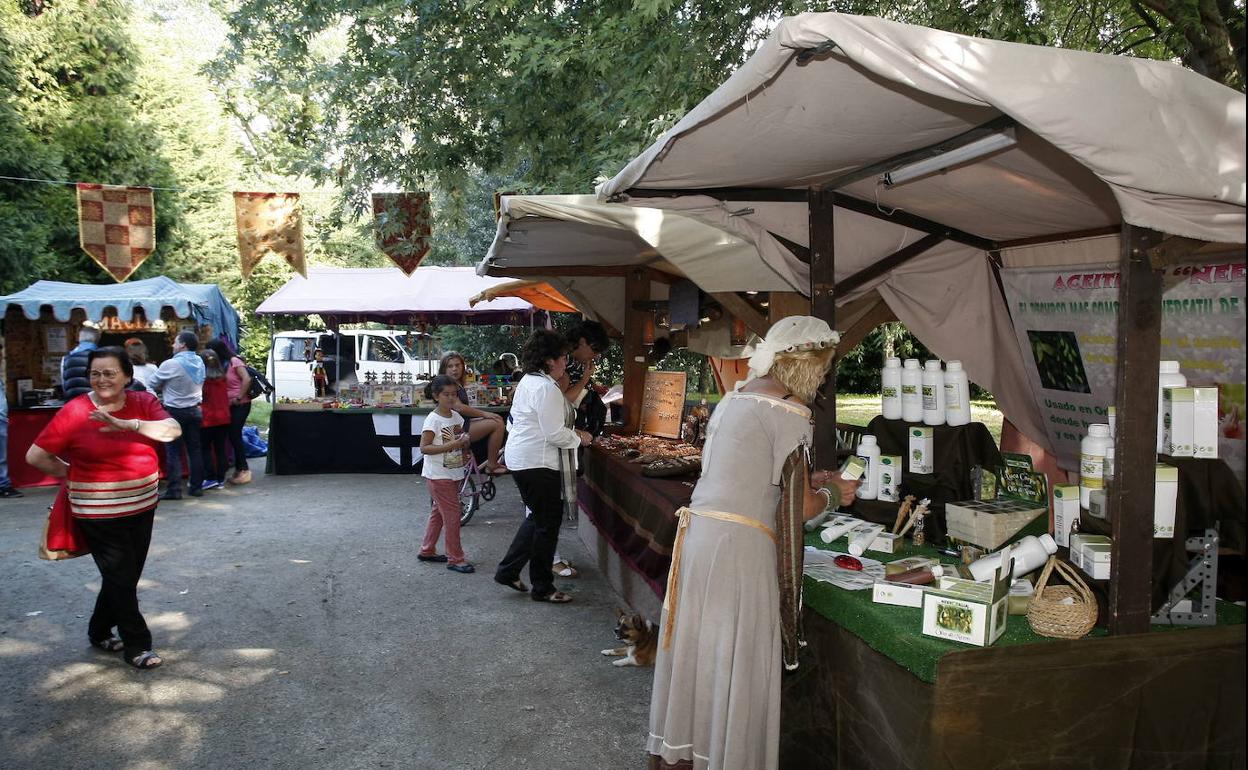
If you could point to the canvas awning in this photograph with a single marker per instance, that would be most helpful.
(202, 302)
(829, 99)
(433, 295)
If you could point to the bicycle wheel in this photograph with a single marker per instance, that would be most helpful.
(469, 500)
(488, 490)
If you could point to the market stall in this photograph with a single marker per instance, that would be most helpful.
(41, 325)
(930, 177)
(367, 426)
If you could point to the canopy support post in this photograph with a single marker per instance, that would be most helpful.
(272, 397)
(820, 208)
(1131, 496)
(636, 289)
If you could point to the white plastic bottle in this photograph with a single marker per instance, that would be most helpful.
(957, 394)
(1028, 555)
(869, 451)
(933, 393)
(911, 397)
(890, 389)
(1169, 377)
(1092, 461)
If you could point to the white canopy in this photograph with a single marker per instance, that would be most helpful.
(1101, 140)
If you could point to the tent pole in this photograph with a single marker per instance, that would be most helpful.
(272, 397)
(820, 207)
(337, 360)
(636, 289)
(1130, 498)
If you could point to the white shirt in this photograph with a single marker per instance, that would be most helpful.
(539, 415)
(446, 465)
(143, 373)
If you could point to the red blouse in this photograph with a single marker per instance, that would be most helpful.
(111, 473)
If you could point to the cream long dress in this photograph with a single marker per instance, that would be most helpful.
(716, 698)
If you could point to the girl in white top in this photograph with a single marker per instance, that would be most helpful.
(444, 444)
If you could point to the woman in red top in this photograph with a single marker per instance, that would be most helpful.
(216, 425)
(237, 384)
(104, 444)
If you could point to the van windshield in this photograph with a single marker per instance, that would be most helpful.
(293, 348)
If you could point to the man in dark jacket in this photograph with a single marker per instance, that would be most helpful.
(74, 379)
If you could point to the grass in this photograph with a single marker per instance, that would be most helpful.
(860, 409)
(259, 417)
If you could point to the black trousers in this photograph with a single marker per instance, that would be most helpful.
(119, 547)
(538, 537)
(190, 419)
(212, 445)
(238, 418)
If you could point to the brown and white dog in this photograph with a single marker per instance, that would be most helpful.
(640, 636)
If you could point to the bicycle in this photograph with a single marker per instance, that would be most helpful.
(477, 486)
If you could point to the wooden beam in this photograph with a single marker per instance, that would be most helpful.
(1174, 250)
(915, 222)
(1072, 235)
(879, 313)
(894, 260)
(636, 289)
(820, 209)
(1130, 497)
(994, 126)
(743, 194)
(741, 308)
(782, 304)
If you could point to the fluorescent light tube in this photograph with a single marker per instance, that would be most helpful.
(956, 157)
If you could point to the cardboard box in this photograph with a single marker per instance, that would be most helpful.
(1021, 591)
(890, 478)
(1095, 559)
(1077, 544)
(899, 594)
(1165, 500)
(1178, 415)
(922, 459)
(1065, 511)
(909, 563)
(853, 468)
(989, 523)
(1205, 423)
(886, 542)
(1097, 504)
(968, 611)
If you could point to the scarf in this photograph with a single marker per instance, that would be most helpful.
(794, 479)
(193, 365)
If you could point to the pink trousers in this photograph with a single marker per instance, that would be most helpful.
(444, 513)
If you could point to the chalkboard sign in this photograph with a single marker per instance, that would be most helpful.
(663, 404)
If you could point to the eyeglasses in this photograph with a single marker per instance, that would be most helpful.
(106, 374)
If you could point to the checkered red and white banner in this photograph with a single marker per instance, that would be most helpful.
(269, 223)
(116, 226)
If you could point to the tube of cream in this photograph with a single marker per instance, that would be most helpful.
(860, 539)
(837, 527)
(814, 523)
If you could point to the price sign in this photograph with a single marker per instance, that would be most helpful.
(663, 404)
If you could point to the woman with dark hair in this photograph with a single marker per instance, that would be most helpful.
(480, 424)
(137, 350)
(237, 383)
(216, 425)
(541, 453)
(104, 444)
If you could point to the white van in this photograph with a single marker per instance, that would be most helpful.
(363, 350)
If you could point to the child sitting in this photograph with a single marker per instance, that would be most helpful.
(444, 444)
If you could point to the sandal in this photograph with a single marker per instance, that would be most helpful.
(515, 585)
(558, 597)
(564, 569)
(145, 660)
(111, 644)
(496, 470)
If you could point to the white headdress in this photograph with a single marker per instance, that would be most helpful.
(789, 335)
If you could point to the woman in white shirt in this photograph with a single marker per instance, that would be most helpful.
(137, 350)
(541, 454)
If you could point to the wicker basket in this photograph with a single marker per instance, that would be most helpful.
(1049, 617)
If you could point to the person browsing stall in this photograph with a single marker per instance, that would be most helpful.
(143, 370)
(541, 455)
(215, 428)
(444, 444)
(104, 444)
(481, 424)
(74, 381)
(180, 383)
(238, 386)
(731, 614)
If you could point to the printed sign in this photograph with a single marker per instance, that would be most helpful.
(1066, 322)
(663, 403)
(56, 339)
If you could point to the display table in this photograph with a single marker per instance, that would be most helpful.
(873, 691)
(304, 440)
(24, 426)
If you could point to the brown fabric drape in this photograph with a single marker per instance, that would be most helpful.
(794, 480)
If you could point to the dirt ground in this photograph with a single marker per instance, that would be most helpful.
(299, 631)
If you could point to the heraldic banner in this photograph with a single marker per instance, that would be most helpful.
(269, 223)
(403, 222)
(116, 226)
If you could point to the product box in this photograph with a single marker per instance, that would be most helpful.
(1065, 511)
(1098, 506)
(1021, 591)
(1205, 423)
(966, 610)
(853, 468)
(1095, 560)
(909, 563)
(1165, 500)
(989, 523)
(886, 542)
(890, 478)
(922, 459)
(1178, 415)
(899, 594)
(1078, 545)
